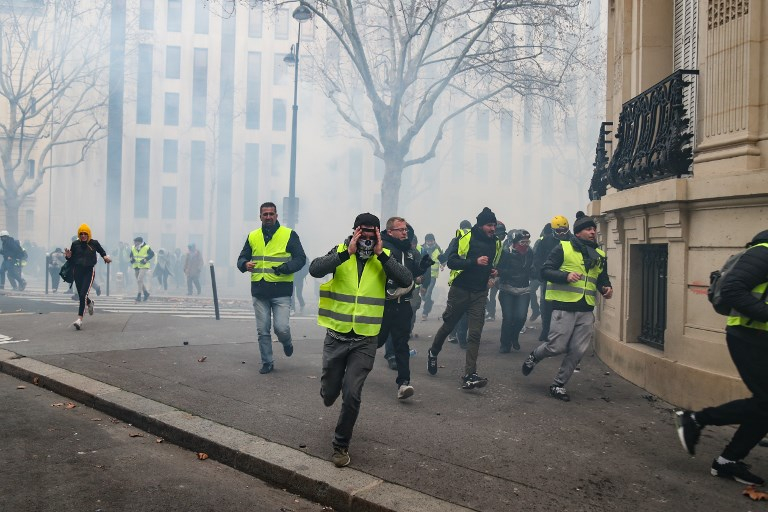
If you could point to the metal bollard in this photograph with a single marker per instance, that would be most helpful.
(108, 267)
(47, 270)
(215, 293)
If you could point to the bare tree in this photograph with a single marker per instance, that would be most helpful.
(53, 79)
(390, 67)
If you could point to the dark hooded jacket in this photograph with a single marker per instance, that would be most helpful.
(748, 272)
(473, 277)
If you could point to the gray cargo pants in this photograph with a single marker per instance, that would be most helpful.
(569, 334)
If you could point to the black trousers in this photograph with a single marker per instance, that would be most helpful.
(397, 323)
(749, 351)
(83, 282)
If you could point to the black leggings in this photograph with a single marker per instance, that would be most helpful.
(83, 281)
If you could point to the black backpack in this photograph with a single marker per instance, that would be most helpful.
(716, 279)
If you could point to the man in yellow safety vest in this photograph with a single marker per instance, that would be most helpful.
(745, 289)
(272, 254)
(575, 272)
(141, 254)
(351, 308)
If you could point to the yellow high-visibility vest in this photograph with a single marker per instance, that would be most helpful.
(266, 257)
(464, 250)
(140, 255)
(758, 291)
(586, 287)
(348, 304)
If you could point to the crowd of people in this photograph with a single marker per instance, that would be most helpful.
(379, 279)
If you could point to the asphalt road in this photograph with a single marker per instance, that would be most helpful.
(59, 456)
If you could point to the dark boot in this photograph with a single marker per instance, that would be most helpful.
(138, 297)
(146, 295)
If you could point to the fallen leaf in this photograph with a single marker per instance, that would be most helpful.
(202, 359)
(136, 434)
(159, 440)
(36, 381)
(70, 405)
(114, 420)
(21, 387)
(754, 494)
(202, 456)
(57, 404)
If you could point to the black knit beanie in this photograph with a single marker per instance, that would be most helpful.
(367, 219)
(583, 222)
(486, 217)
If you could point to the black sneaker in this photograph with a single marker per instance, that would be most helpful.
(473, 381)
(559, 392)
(392, 362)
(266, 368)
(534, 316)
(516, 345)
(736, 471)
(288, 350)
(431, 363)
(340, 457)
(452, 339)
(687, 430)
(529, 363)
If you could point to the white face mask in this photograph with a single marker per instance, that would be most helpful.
(365, 248)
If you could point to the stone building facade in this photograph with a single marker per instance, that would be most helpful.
(668, 219)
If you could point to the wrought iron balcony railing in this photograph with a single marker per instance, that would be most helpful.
(654, 139)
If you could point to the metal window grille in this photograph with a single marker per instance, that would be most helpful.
(654, 290)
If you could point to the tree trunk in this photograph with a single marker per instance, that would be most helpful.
(390, 187)
(12, 218)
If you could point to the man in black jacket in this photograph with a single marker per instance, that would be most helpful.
(397, 307)
(472, 262)
(744, 288)
(272, 254)
(575, 272)
(13, 255)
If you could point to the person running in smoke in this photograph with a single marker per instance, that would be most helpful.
(82, 254)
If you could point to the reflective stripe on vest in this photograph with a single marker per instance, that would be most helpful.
(274, 254)
(140, 255)
(348, 303)
(759, 292)
(586, 287)
(464, 250)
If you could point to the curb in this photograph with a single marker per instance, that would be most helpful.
(294, 470)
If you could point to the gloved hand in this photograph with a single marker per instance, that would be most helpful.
(426, 262)
(280, 269)
(143, 261)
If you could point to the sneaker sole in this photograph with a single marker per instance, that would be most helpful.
(681, 433)
(408, 393)
(715, 472)
(78, 326)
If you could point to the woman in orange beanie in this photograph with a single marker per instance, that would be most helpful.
(82, 255)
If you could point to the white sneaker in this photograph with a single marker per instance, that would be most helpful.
(404, 391)
(78, 324)
(90, 308)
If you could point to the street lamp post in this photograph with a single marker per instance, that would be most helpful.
(301, 14)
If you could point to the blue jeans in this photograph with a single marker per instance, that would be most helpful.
(267, 309)
(514, 311)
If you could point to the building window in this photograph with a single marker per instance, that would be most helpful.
(653, 315)
(201, 17)
(251, 183)
(527, 119)
(483, 122)
(278, 159)
(255, 20)
(141, 180)
(281, 24)
(253, 91)
(197, 180)
(278, 115)
(174, 16)
(457, 151)
(170, 155)
(173, 62)
(171, 109)
(147, 14)
(169, 203)
(199, 86)
(30, 169)
(547, 123)
(144, 85)
(481, 167)
(29, 222)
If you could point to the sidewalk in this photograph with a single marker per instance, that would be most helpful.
(506, 447)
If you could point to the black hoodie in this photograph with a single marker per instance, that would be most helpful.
(403, 253)
(473, 277)
(750, 271)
